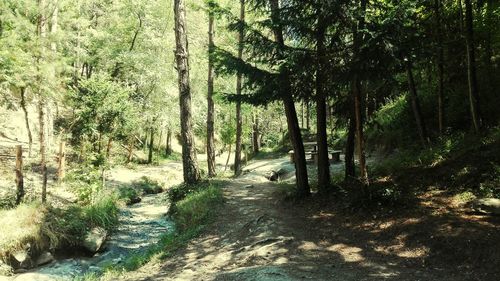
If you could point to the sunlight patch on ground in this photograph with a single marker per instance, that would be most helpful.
(348, 253)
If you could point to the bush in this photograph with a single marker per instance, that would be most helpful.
(180, 191)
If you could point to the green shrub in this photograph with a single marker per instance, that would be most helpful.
(180, 191)
(128, 194)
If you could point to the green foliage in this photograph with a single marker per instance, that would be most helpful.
(196, 209)
(180, 191)
(69, 226)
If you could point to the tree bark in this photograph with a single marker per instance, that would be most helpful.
(290, 112)
(323, 162)
(61, 165)
(130, 150)
(255, 134)
(228, 157)
(357, 96)
(19, 175)
(415, 105)
(350, 170)
(43, 163)
(191, 171)
(151, 146)
(239, 121)
(308, 116)
(440, 66)
(26, 119)
(210, 100)
(168, 146)
(471, 68)
(41, 30)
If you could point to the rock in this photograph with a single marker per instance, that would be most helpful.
(487, 206)
(275, 175)
(134, 200)
(249, 186)
(21, 259)
(95, 239)
(44, 258)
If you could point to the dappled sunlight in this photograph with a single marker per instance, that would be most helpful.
(348, 253)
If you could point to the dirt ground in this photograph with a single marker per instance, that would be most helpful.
(259, 237)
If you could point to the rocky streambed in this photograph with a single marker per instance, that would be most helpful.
(141, 226)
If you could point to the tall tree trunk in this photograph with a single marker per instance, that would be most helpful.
(130, 150)
(151, 146)
(290, 112)
(440, 66)
(255, 134)
(210, 100)
(415, 105)
(228, 157)
(308, 116)
(471, 68)
(239, 122)
(19, 175)
(41, 30)
(108, 147)
(43, 163)
(191, 171)
(350, 170)
(61, 167)
(26, 119)
(302, 117)
(168, 145)
(357, 95)
(321, 130)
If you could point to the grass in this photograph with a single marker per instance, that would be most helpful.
(44, 227)
(21, 226)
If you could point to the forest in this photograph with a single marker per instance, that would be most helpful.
(249, 140)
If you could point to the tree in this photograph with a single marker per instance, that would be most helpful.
(291, 114)
(356, 91)
(321, 134)
(471, 68)
(239, 121)
(190, 166)
(210, 93)
(440, 65)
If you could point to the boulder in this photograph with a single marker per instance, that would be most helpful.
(275, 175)
(487, 206)
(21, 259)
(44, 258)
(249, 186)
(134, 200)
(94, 239)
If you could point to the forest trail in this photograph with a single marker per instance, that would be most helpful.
(256, 238)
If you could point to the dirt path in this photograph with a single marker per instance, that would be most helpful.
(259, 238)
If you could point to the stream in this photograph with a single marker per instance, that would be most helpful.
(141, 225)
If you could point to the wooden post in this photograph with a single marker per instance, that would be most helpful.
(61, 162)
(19, 174)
